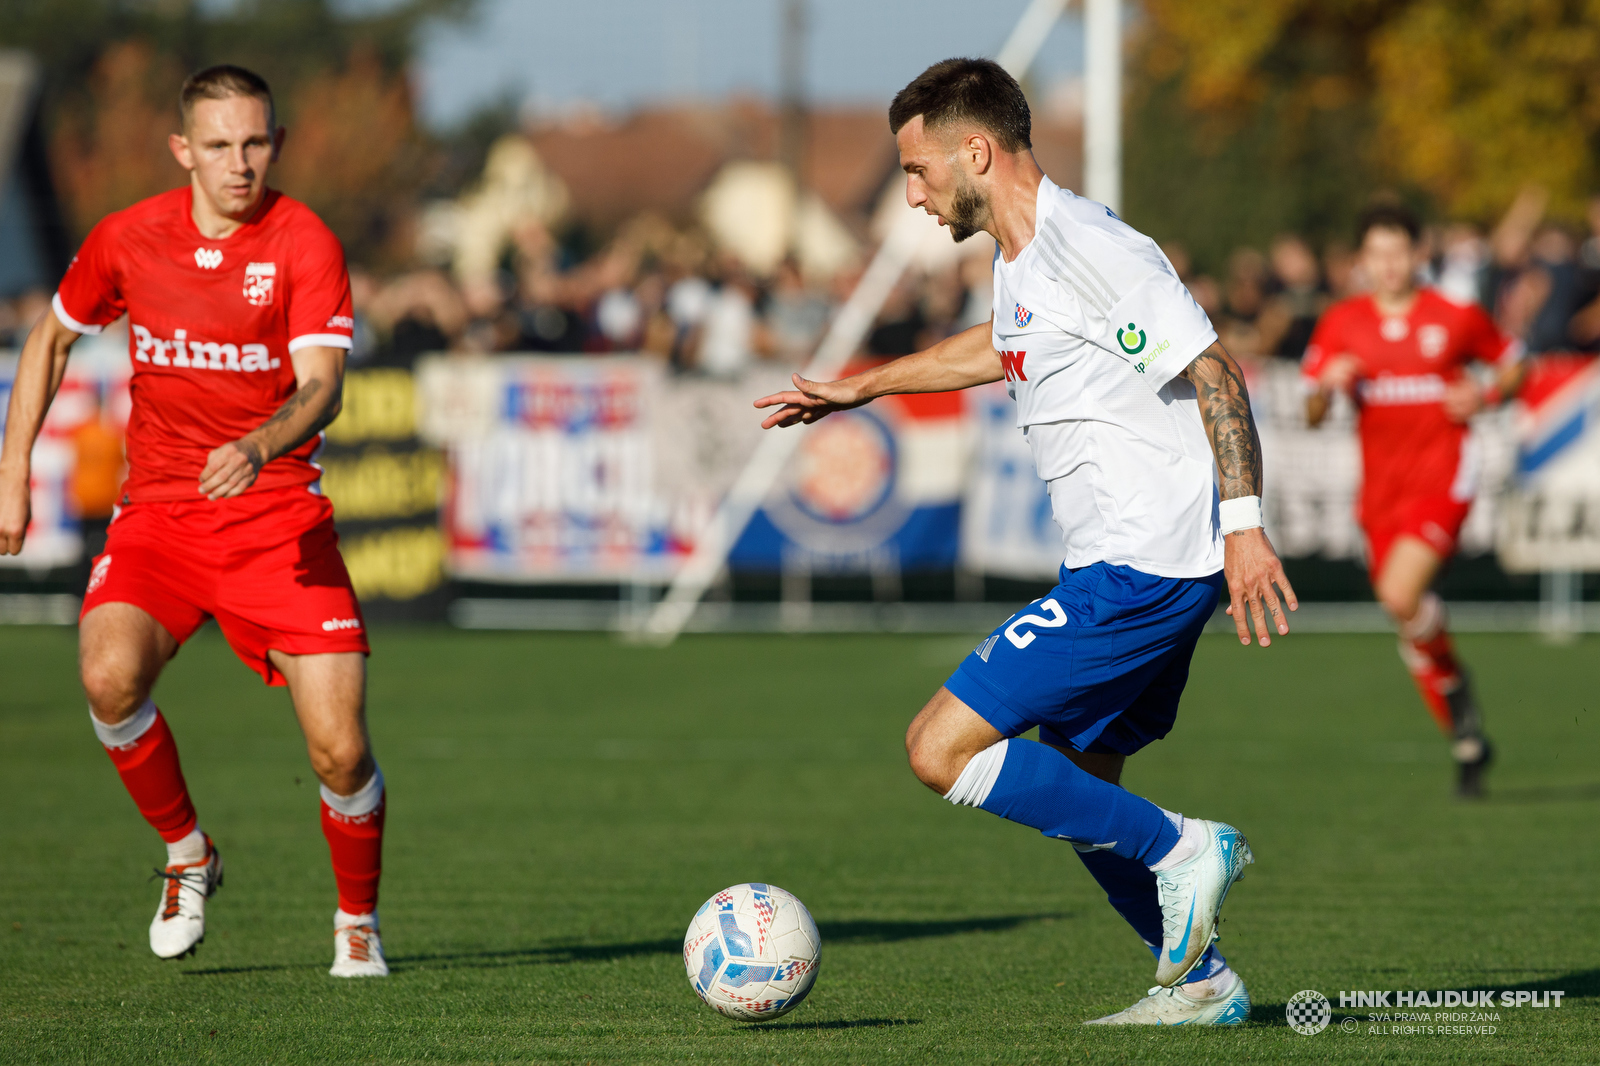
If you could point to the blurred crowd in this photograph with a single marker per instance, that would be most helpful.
(667, 292)
(654, 289)
(1539, 278)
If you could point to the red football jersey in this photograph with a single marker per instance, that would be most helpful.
(211, 325)
(1409, 447)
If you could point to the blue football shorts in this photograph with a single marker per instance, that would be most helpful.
(1098, 664)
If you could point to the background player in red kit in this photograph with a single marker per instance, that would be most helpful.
(1403, 352)
(238, 307)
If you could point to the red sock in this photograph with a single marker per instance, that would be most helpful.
(354, 828)
(144, 753)
(1430, 655)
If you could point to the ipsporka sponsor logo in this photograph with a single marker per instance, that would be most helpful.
(181, 350)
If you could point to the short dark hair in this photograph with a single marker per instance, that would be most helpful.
(978, 90)
(221, 82)
(1387, 216)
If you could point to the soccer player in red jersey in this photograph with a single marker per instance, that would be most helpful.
(1402, 352)
(238, 308)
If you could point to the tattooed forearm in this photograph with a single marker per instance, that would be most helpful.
(1225, 410)
(302, 416)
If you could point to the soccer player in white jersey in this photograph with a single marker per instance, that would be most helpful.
(1138, 421)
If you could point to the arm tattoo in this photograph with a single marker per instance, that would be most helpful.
(307, 395)
(1225, 410)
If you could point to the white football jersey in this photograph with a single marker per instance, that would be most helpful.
(1093, 328)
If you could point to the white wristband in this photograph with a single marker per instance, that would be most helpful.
(1242, 513)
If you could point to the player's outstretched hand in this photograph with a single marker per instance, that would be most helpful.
(810, 401)
(16, 508)
(1462, 400)
(1252, 569)
(230, 469)
(1341, 373)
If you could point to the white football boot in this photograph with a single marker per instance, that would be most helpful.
(357, 948)
(1191, 895)
(1174, 1006)
(180, 922)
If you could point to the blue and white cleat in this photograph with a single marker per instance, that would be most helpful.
(1191, 895)
(1172, 1006)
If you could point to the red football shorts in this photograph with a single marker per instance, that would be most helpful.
(265, 565)
(1434, 520)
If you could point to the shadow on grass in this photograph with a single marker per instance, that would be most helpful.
(1546, 794)
(858, 932)
(843, 1023)
(869, 931)
(1578, 984)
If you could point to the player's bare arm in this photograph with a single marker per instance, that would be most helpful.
(1250, 563)
(1465, 397)
(957, 362)
(39, 371)
(319, 374)
(1339, 376)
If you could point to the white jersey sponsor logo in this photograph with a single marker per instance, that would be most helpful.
(341, 623)
(1394, 390)
(258, 279)
(205, 258)
(181, 350)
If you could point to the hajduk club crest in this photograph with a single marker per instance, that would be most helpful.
(1023, 316)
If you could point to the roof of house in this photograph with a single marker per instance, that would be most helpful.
(662, 158)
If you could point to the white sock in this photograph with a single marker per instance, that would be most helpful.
(977, 778)
(129, 729)
(1207, 987)
(342, 918)
(1191, 838)
(188, 851)
(363, 800)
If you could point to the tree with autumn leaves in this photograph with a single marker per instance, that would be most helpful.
(354, 153)
(1250, 117)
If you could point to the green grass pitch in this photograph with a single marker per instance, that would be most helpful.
(560, 805)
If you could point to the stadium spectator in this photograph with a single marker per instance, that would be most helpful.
(97, 473)
(1290, 314)
(797, 315)
(1461, 270)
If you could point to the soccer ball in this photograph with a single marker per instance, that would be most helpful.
(752, 952)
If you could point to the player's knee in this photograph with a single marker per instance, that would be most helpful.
(344, 766)
(1401, 604)
(115, 689)
(935, 764)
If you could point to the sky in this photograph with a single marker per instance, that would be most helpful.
(551, 55)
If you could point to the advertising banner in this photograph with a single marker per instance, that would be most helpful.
(873, 489)
(1551, 518)
(386, 484)
(1006, 526)
(578, 469)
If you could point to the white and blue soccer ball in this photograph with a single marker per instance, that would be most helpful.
(752, 952)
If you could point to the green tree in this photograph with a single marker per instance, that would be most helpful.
(1253, 116)
(113, 68)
